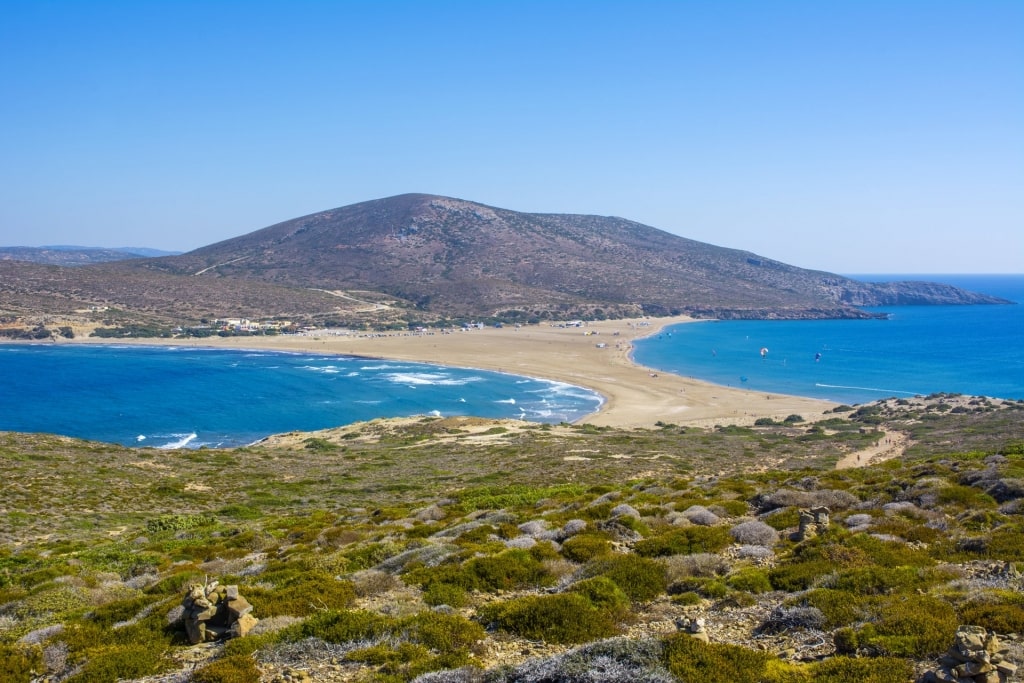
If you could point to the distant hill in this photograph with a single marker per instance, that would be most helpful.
(453, 257)
(62, 255)
(423, 258)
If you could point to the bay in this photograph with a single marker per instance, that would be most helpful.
(171, 397)
(917, 350)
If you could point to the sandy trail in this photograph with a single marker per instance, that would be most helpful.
(890, 445)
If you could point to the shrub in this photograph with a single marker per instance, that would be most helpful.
(444, 594)
(750, 580)
(910, 626)
(372, 582)
(698, 514)
(178, 523)
(679, 567)
(559, 618)
(840, 608)
(614, 659)
(18, 662)
(754, 532)
(585, 547)
(110, 663)
(604, 594)
(872, 670)
(684, 541)
(231, 669)
(693, 660)
(512, 569)
(1002, 612)
(443, 633)
(301, 595)
(640, 578)
(343, 627)
(798, 576)
(785, 618)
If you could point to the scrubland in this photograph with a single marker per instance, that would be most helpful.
(470, 550)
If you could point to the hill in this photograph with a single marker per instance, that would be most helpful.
(419, 259)
(65, 255)
(459, 258)
(465, 550)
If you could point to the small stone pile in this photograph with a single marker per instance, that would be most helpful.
(976, 657)
(215, 612)
(695, 627)
(812, 522)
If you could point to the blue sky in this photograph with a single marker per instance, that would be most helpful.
(853, 137)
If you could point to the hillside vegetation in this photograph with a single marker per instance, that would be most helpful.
(464, 549)
(422, 259)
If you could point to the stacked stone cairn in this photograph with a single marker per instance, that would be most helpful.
(215, 612)
(975, 657)
(812, 522)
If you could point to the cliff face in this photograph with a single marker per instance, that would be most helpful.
(451, 256)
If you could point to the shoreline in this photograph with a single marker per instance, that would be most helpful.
(595, 356)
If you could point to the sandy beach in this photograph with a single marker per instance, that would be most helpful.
(595, 356)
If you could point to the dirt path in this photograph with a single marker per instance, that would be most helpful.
(890, 445)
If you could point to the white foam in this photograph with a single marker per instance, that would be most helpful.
(183, 440)
(429, 379)
(880, 391)
(510, 401)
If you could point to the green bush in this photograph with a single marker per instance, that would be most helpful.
(910, 626)
(1001, 611)
(231, 669)
(444, 594)
(640, 578)
(343, 627)
(559, 618)
(879, 580)
(300, 595)
(18, 662)
(750, 580)
(509, 570)
(585, 547)
(867, 670)
(111, 663)
(178, 523)
(442, 633)
(604, 594)
(798, 576)
(685, 541)
(839, 607)
(693, 660)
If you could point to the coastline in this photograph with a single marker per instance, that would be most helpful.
(596, 356)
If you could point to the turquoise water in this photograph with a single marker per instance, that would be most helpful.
(175, 397)
(917, 350)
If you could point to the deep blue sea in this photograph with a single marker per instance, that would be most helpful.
(172, 397)
(976, 350)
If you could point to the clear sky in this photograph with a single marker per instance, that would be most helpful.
(854, 136)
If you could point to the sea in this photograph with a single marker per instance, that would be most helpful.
(174, 397)
(915, 350)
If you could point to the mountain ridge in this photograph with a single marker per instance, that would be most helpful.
(418, 259)
(449, 255)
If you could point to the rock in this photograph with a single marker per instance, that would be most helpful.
(213, 612)
(239, 606)
(813, 521)
(242, 626)
(976, 656)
